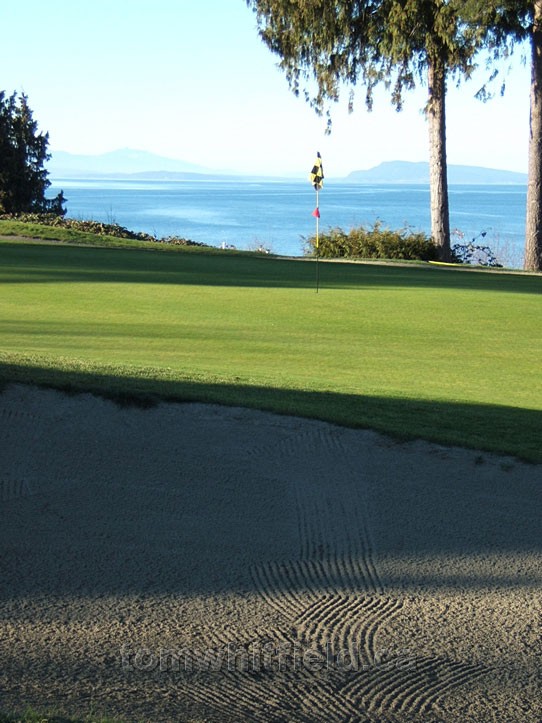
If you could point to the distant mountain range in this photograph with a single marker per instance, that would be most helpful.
(125, 161)
(142, 165)
(407, 172)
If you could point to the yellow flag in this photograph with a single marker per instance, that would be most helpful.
(317, 173)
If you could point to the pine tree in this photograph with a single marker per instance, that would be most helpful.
(503, 24)
(533, 227)
(426, 39)
(23, 154)
(398, 42)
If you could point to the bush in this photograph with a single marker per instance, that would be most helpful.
(475, 255)
(376, 242)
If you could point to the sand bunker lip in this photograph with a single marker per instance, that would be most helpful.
(196, 562)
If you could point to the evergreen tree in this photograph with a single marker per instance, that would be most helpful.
(23, 154)
(426, 39)
(398, 42)
(533, 230)
(503, 24)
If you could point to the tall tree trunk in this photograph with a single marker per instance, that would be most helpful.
(533, 230)
(438, 170)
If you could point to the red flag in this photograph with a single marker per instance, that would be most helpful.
(316, 213)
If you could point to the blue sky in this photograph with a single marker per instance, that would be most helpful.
(190, 79)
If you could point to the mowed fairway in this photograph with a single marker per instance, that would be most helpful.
(444, 354)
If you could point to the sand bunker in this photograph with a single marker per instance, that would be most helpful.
(202, 563)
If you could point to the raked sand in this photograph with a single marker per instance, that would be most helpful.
(202, 563)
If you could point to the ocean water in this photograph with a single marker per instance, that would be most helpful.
(278, 215)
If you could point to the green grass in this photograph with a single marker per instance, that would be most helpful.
(13, 230)
(41, 232)
(64, 235)
(442, 354)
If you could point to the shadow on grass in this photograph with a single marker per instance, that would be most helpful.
(486, 427)
(24, 263)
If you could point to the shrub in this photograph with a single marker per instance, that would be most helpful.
(376, 242)
(475, 255)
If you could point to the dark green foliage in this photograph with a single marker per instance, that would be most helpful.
(498, 24)
(375, 242)
(23, 154)
(327, 45)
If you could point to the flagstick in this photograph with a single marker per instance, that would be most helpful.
(317, 241)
